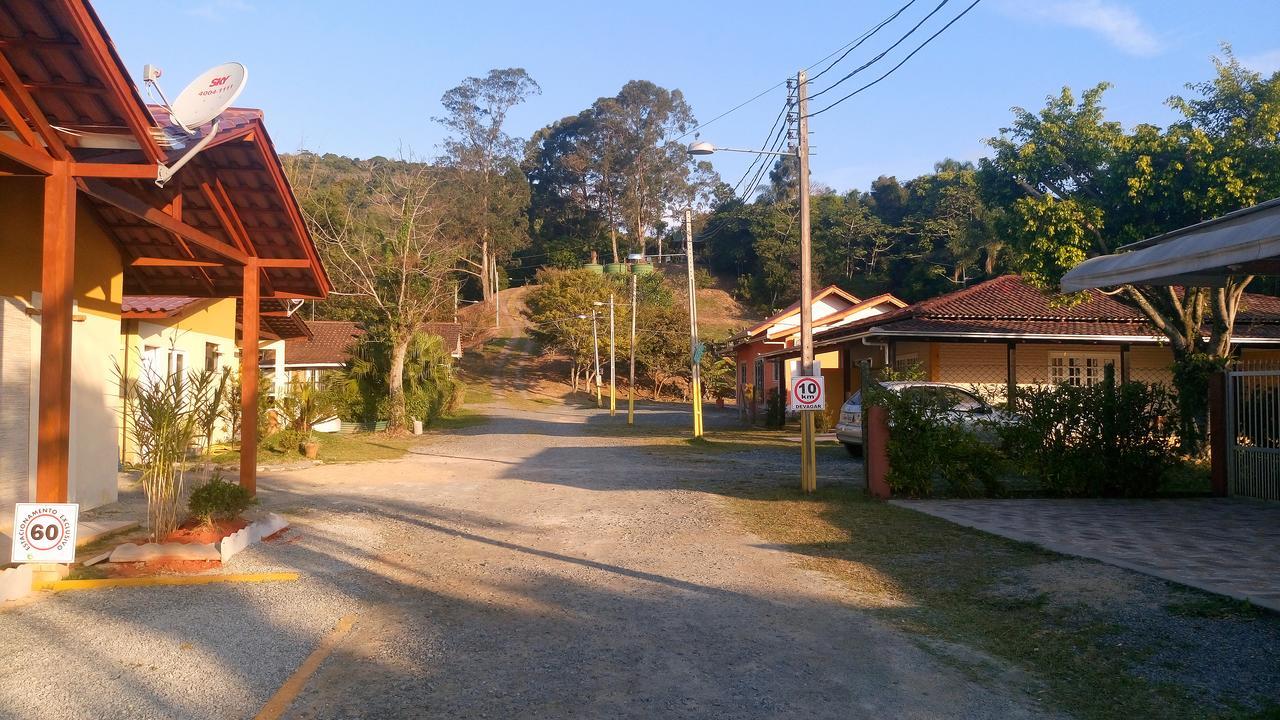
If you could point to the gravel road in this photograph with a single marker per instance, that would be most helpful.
(523, 568)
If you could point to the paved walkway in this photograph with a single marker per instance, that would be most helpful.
(1225, 546)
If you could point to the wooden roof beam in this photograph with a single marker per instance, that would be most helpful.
(34, 158)
(138, 208)
(173, 262)
(114, 170)
(222, 206)
(174, 210)
(28, 106)
(9, 111)
(97, 47)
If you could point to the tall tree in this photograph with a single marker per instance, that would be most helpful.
(1083, 186)
(569, 213)
(643, 167)
(492, 194)
(384, 244)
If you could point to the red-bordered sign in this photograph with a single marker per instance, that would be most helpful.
(808, 393)
(44, 532)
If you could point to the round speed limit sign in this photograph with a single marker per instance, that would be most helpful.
(808, 393)
(45, 532)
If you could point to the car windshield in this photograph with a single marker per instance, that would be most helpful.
(960, 400)
(853, 401)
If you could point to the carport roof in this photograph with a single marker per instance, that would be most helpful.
(1245, 242)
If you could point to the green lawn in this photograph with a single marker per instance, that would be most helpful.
(950, 586)
(358, 447)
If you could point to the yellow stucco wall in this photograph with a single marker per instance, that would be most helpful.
(99, 277)
(207, 322)
(98, 287)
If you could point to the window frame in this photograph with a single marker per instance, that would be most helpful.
(1088, 375)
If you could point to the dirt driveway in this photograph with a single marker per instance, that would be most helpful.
(533, 566)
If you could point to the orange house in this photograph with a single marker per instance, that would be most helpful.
(832, 308)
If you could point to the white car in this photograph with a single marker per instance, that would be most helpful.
(966, 408)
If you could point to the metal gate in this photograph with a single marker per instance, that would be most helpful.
(1253, 433)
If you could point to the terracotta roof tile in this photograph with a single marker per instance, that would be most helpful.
(331, 342)
(1008, 305)
(450, 333)
(156, 304)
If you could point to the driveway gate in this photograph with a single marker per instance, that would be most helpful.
(1253, 433)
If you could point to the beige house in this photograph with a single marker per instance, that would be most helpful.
(1004, 333)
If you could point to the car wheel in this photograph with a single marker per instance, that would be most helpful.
(853, 450)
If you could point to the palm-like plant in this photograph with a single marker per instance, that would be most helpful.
(166, 414)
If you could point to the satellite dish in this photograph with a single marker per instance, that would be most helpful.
(212, 92)
(199, 103)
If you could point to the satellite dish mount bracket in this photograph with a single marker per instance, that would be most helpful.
(165, 172)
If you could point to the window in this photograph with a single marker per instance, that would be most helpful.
(212, 356)
(177, 366)
(905, 362)
(152, 365)
(1082, 369)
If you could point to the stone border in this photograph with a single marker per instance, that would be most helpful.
(19, 582)
(250, 534)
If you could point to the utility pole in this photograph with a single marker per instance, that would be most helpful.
(808, 451)
(631, 382)
(694, 355)
(613, 366)
(595, 340)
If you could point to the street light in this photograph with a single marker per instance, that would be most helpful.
(595, 340)
(631, 381)
(808, 451)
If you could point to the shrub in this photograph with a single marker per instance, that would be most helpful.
(775, 415)
(164, 414)
(1108, 440)
(286, 441)
(219, 500)
(929, 451)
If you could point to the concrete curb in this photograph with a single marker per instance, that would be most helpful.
(15, 583)
(254, 532)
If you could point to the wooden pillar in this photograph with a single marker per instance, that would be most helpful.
(57, 286)
(1011, 372)
(249, 381)
(1219, 444)
(1124, 363)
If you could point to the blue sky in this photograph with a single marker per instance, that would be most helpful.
(365, 78)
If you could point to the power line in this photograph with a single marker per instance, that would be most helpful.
(886, 51)
(764, 166)
(857, 42)
(846, 49)
(768, 139)
(900, 63)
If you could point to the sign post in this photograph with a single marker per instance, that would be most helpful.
(45, 532)
(808, 392)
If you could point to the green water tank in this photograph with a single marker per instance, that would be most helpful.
(642, 268)
(593, 267)
(614, 268)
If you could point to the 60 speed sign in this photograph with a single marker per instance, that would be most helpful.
(44, 532)
(808, 393)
